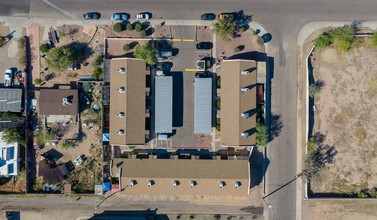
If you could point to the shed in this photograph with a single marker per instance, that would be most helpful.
(203, 106)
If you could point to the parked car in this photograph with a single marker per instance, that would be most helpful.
(75, 66)
(208, 16)
(120, 16)
(204, 46)
(79, 160)
(92, 16)
(227, 15)
(143, 16)
(8, 78)
(164, 66)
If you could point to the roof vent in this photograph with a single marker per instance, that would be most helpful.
(132, 183)
(245, 115)
(245, 134)
(122, 70)
(120, 114)
(120, 132)
(222, 184)
(175, 183)
(193, 183)
(237, 184)
(150, 183)
(244, 89)
(245, 72)
(122, 90)
(66, 102)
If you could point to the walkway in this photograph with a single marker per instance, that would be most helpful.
(33, 33)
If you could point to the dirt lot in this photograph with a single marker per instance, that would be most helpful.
(345, 109)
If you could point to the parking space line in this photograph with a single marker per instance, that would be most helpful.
(191, 70)
(176, 39)
(188, 40)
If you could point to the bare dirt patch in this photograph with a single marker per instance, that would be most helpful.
(344, 109)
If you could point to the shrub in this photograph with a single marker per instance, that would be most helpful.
(218, 83)
(97, 73)
(143, 33)
(60, 58)
(343, 37)
(218, 127)
(118, 27)
(129, 27)
(312, 145)
(260, 40)
(218, 104)
(218, 121)
(323, 41)
(313, 90)
(126, 47)
(44, 48)
(374, 39)
(262, 135)
(236, 49)
(38, 81)
(138, 27)
(98, 61)
(146, 52)
(362, 195)
(1, 41)
(242, 29)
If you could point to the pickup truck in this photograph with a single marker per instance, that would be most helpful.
(8, 76)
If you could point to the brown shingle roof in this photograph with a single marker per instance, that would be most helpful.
(131, 102)
(206, 173)
(51, 102)
(234, 102)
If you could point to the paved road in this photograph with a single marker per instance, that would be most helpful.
(283, 18)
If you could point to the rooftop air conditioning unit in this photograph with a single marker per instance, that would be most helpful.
(175, 183)
(244, 89)
(237, 184)
(132, 183)
(245, 72)
(122, 90)
(245, 115)
(150, 183)
(221, 184)
(66, 102)
(120, 132)
(192, 183)
(245, 134)
(122, 70)
(120, 114)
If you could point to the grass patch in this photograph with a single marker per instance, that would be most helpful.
(338, 120)
(360, 134)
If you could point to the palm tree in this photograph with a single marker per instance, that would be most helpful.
(223, 28)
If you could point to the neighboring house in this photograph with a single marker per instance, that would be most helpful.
(181, 177)
(10, 100)
(128, 102)
(203, 106)
(9, 163)
(163, 104)
(238, 102)
(59, 105)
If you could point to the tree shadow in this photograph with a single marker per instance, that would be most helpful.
(275, 126)
(267, 37)
(82, 51)
(145, 25)
(150, 31)
(133, 44)
(242, 19)
(241, 47)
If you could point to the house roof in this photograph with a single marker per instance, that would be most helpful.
(164, 104)
(203, 106)
(206, 173)
(131, 102)
(234, 102)
(51, 102)
(10, 100)
(8, 157)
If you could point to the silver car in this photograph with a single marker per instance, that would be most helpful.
(143, 16)
(120, 16)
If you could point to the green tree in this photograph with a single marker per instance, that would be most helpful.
(313, 90)
(38, 81)
(146, 52)
(14, 135)
(261, 134)
(312, 166)
(223, 28)
(1, 41)
(118, 27)
(143, 33)
(312, 145)
(97, 73)
(374, 39)
(98, 61)
(44, 48)
(323, 41)
(60, 58)
(126, 47)
(129, 27)
(138, 27)
(343, 37)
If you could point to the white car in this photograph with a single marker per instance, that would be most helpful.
(8, 77)
(143, 16)
(79, 160)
